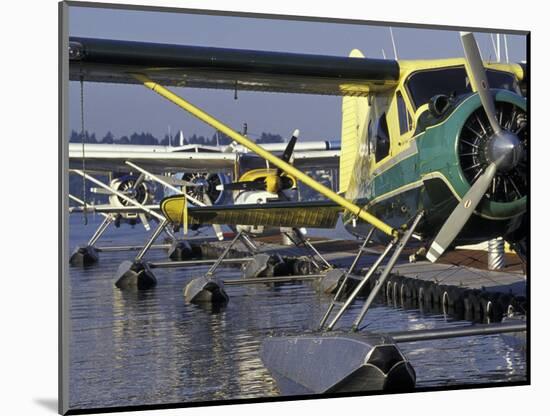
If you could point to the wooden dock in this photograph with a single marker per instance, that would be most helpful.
(459, 282)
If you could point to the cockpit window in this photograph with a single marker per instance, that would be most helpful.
(502, 80)
(423, 85)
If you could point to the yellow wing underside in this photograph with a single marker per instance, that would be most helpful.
(281, 214)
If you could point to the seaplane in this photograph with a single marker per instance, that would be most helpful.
(203, 173)
(434, 153)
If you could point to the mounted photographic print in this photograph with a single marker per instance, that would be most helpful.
(266, 208)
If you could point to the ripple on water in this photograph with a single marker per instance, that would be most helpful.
(133, 348)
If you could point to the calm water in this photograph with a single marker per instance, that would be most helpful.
(135, 348)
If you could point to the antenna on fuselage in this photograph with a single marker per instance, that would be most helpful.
(506, 48)
(393, 44)
(384, 53)
(496, 46)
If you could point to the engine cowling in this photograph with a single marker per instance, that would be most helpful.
(475, 148)
(143, 193)
(210, 186)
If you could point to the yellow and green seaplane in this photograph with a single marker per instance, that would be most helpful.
(436, 150)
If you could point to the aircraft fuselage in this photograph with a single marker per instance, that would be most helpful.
(430, 174)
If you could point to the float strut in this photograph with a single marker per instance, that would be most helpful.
(207, 288)
(361, 284)
(213, 268)
(387, 270)
(249, 244)
(361, 251)
(306, 243)
(149, 243)
(101, 229)
(345, 279)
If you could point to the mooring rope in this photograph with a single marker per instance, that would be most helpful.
(82, 138)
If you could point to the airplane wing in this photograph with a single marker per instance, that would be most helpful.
(317, 159)
(315, 214)
(112, 158)
(163, 159)
(110, 209)
(108, 60)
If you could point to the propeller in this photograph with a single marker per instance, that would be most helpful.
(272, 183)
(180, 182)
(478, 78)
(257, 185)
(461, 214)
(132, 191)
(287, 154)
(139, 181)
(504, 150)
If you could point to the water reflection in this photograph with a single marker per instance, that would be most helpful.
(132, 347)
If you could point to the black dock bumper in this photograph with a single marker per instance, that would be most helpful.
(336, 363)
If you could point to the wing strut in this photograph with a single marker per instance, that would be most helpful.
(286, 167)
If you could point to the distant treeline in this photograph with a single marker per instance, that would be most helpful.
(217, 139)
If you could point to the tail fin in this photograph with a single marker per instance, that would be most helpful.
(354, 117)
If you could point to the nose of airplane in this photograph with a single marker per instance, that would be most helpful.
(505, 149)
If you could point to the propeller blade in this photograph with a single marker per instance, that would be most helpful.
(478, 78)
(139, 180)
(245, 186)
(287, 154)
(179, 182)
(217, 227)
(461, 214)
(464, 210)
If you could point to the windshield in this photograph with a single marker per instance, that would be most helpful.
(423, 85)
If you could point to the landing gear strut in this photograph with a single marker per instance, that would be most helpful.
(371, 362)
(87, 255)
(208, 288)
(137, 274)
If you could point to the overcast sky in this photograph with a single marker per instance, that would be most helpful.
(124, 109)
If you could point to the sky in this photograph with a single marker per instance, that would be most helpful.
(123, 109)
